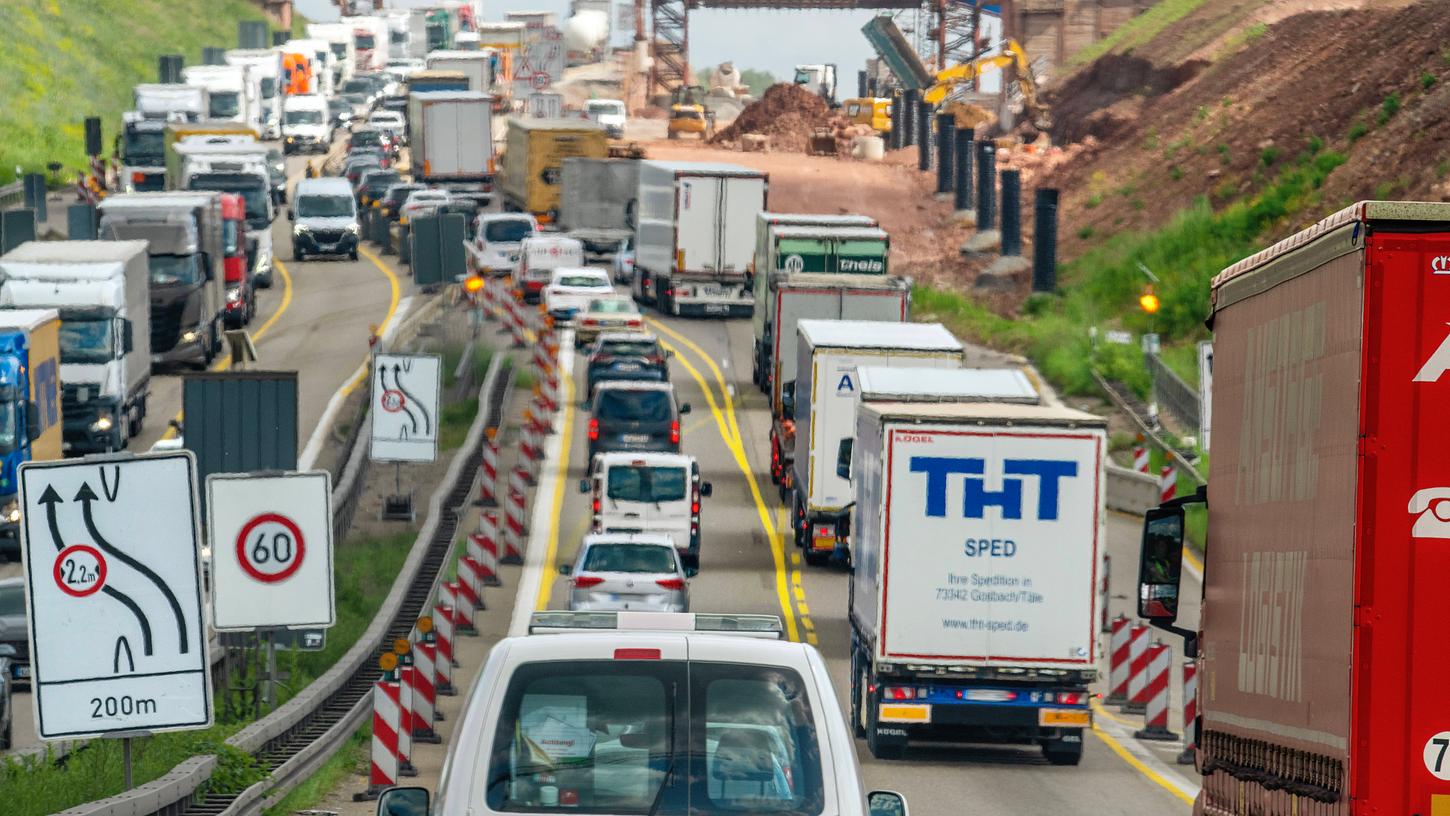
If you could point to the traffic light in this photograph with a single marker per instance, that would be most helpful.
(1148, 301)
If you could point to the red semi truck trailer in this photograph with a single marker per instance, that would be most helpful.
(1324, 676)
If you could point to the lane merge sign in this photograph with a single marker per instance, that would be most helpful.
(271, 538)
(407, 393)
(112, 559)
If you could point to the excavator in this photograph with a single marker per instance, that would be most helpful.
(688, 114)
(1012, 54)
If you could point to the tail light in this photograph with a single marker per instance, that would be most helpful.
(138, 177)
(594, 431)
(671, 583)
(1070, 697)
(899, 693)
(674, 432)
(597, 506)
(695, 506)
(586, 581)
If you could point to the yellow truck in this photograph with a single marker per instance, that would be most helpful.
(533, 161)
(873, 111)
(177, 131)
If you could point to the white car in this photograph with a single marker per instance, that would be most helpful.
(421, 201)
(606, 713)
(497, 241)
(571, 289)
(609, 113)
(390, 122)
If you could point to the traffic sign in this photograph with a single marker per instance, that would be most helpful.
(113, 594)
(407, 391)
(271, 538)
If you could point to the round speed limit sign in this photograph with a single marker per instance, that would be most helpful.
(270, 548)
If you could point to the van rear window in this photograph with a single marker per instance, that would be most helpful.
(646, 484)
(637, 406)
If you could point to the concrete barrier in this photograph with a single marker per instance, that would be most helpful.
(1130, 491)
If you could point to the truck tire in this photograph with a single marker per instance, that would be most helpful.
(1058, 752)
(662, 299)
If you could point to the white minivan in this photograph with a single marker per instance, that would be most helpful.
(539, 256)
(305, 125)
(637, 492)
(639, 713)
(497, 240)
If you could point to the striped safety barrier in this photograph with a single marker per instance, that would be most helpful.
(488, 470)
(425, 693)
(405, 724)
(1118, 657)
(386, 722)
(1156, 690)
(469, 595)
(1137, 670)
(1167, 483)
(483, 548)
(518, 497)
(1190, 710)
(1140, 456)
(443, 661)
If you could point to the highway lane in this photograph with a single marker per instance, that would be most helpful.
(744, 568)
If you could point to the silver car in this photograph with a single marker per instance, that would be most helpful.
(627, 571)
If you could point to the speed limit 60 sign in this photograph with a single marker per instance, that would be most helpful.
(271, 543)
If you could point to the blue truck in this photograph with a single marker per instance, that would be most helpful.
(30, 410)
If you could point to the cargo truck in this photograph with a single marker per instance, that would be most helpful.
(340, 39)
(30, 424)
(977, 530)
(533, 157)
(827, 355)
(370, 38)
(170, 101)
(188, 293)
(476, 65)
(100, 290)
(266, 65)
(322, 64)
(1319, 637)
(824, 297)
(233, 93)
(597, 205)
(695, 236)
(238, 167)
(142, 149)
(181, 132)
(451, 136)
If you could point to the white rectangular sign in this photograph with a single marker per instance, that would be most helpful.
(407, 393)
(113, 592)
(545, 105)
(271, 539)
(541, 63)
(1205, 391)
(991, 545)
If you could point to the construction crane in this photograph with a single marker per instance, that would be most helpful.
(1012, 54)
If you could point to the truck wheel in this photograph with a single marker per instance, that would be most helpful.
(138, 412)
(1058, 752)
(662, 300)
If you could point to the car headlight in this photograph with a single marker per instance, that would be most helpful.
(301, 229)
(11, 512)
(354, 229)
(103, 423)
(189, 337)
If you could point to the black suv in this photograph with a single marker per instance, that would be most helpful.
(620, 356)
(635, 416)
(374, 183)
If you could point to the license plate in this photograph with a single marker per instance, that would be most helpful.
(628, 367)
(636, 439)
(716, 308)
(1064, 716)
(710, 290)
(22, 672)
(904, 713)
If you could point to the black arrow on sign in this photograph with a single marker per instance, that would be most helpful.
(85, 496)
(427, 424)
(408, 398)
(50, 499)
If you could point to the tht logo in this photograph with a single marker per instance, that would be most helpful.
(976, 498)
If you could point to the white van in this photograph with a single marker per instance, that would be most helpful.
(636, 492)
(497, 242)
(305, 124)
(539, 256)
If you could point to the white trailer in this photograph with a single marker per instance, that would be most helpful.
(476, 65)
(371, 38)
(450, 133)
(344, 47)
(828, 352)
(266, 67)
(695, 237)
(170, 101)
(977, 530)
(234, 93)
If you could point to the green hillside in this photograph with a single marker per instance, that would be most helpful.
(66, 59)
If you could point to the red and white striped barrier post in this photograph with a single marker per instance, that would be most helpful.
(464, 596)
(518, 497)
(386, 722)
(483, 548)
(488, 470)
(1103, 593)
(425, 693)
(1160, 673)
(515, 321)
(531, 448)
(1118, 651)
(443, 662)
(1140, 456)
(1190, 709)
(407, 682)
(1137, 670)
(1167, 483)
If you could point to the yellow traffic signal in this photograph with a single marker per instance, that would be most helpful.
(1148, 301)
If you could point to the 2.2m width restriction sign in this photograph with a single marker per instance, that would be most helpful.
(272, 542)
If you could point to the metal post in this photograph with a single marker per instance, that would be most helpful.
(1011, 212)
(946, 137)
(986, 185)
(34, 188)
(908, 118)
(923, 136)
(898, 129)
(1044, 241)
(861, 83)
(126, 761)
(271, 695)
(965, 155)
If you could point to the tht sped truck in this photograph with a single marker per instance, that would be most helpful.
(976, 537)
(533, 158)
(828, 352)
(695, 236)
(30, 424)
(1321, 672)
(100, 290)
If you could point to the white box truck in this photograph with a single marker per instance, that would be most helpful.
(102, 291)
(451, 136)
(476, 65)
(233, 93)
(828, 352)
(170, 101)
(266, 65)
(976, 536)
(695, 236)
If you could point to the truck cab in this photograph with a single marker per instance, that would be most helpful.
(237, 168)
(142, 148)
(236, 271)
(30, 426)
(649, 493)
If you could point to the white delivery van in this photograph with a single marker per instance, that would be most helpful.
(306, 126)
(539, 256)
(649, 493)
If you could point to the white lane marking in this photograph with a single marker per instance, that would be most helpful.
(1132, 745)
(553, 476)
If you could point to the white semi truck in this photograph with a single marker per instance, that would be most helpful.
(266, 67)
(976, 538)
(233, 93)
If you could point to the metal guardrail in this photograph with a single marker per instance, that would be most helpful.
(1173, 393)
(1117, 396)
(12, 194)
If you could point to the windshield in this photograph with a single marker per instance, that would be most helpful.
(361, 86)
(378, 182)
(145, 144)
(224, 104)
(339, 50)
(647, 484)
(269, 87)
(605, 108)
(175, 269)
(86, 340)
(9, 430)
(583, 281)
(363, 41)
(629, 558)
(253, 191)
(12, 601)
(632, 348)
(316, 206)
(303, 117)
(509, 231)
(611, 306)
(615, 736)
(628, 404)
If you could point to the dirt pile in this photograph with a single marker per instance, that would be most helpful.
(785, 113)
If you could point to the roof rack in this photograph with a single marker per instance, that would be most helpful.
(559, 622)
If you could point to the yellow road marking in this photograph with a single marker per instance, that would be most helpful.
(737, 450)
(362, 374)
(546, 582)
(226, 362)
(1193, 559)
(710, 361)
(1103, 711)
(1134, 762)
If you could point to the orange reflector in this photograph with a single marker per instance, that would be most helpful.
(388, 662)
(425, 624)
(402, 646)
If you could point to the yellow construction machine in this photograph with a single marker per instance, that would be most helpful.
(1012, 55)
(688, 114)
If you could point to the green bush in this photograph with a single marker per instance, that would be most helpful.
(1357, 131)
(1389, 108)
(1427, 80)
(1269, 155)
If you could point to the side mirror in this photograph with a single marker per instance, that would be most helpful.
(843, 459)
(706, 489)
(32, 421)
(583, 485)
(1160, 564)
(403, 802)
(879, 803)
(684, 408)
(128, 337)
(669, 353)
(691, 572)
(565, 569)
(787, 400)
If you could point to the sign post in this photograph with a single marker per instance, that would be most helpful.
(112, 559)
(406, 397)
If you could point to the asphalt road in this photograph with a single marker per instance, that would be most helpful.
(315, 320)
(744, 569)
